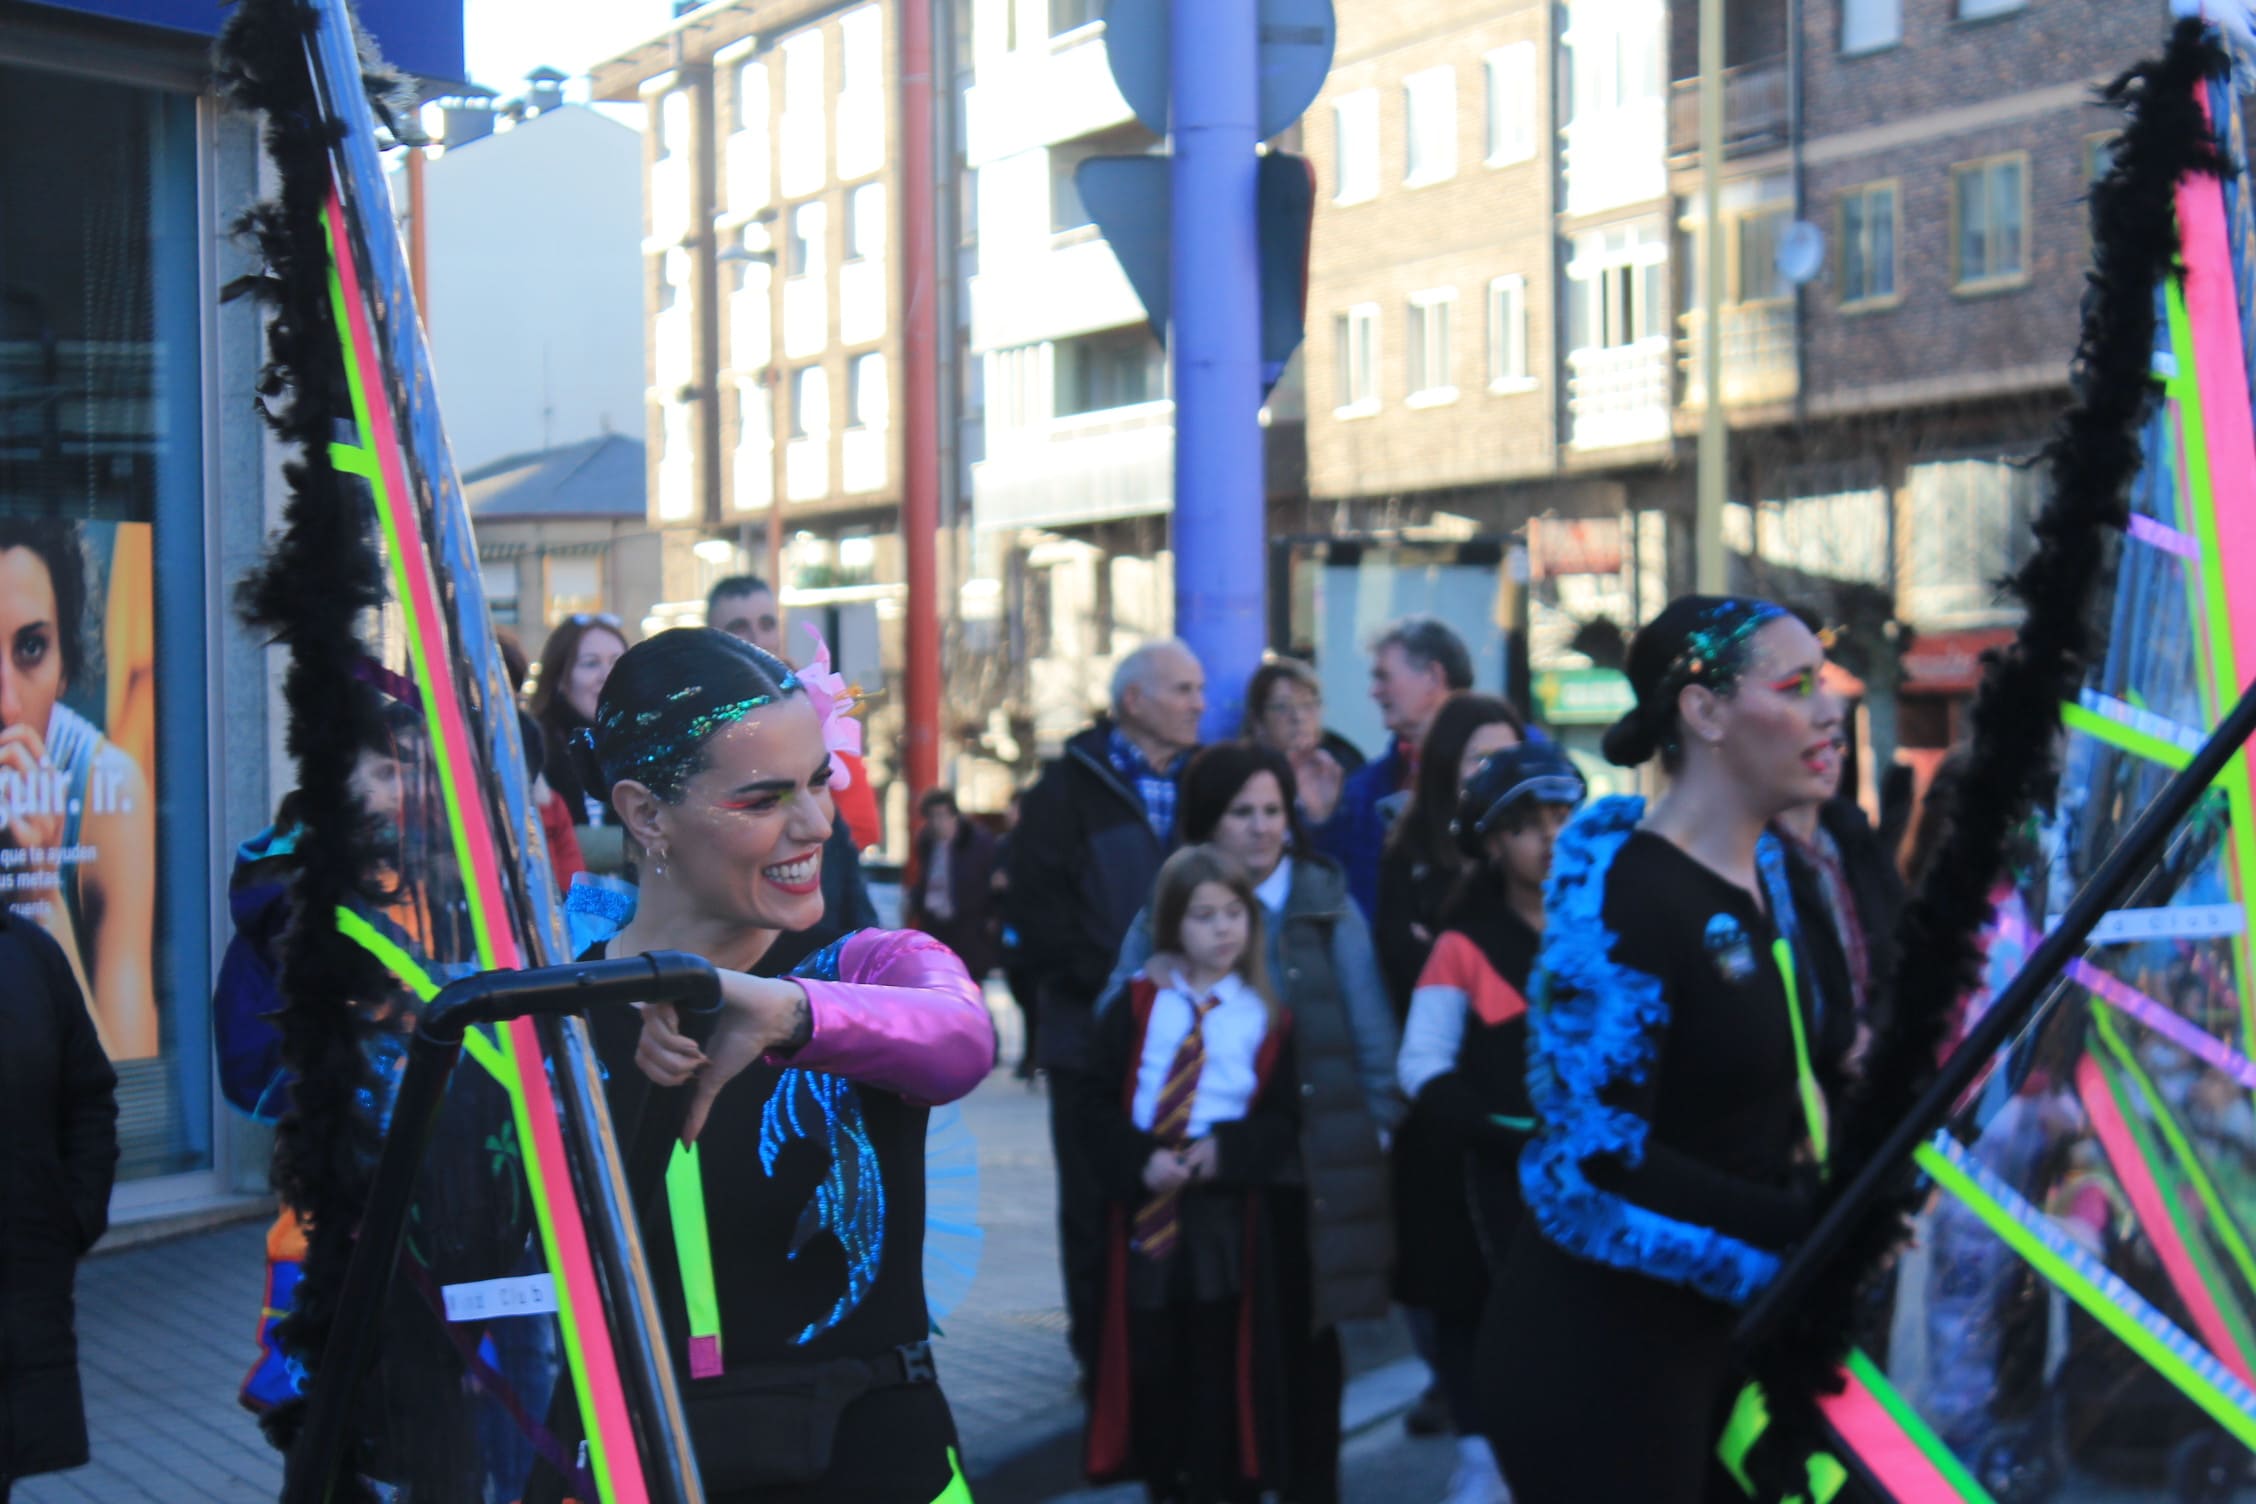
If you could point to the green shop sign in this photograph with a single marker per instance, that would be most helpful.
(1582, 696)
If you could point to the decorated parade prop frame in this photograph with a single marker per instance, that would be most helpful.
(377, 518)
(448, 1024)
(2164, 387)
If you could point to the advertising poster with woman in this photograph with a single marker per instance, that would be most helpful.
(78, 848)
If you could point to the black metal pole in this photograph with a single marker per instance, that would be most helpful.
(322, 1448)
(2137, 851)
(310, 1471)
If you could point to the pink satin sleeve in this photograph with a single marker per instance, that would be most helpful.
(907, 1017)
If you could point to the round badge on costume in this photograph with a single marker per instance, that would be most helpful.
(1730, 949)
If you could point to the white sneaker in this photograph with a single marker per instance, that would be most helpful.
(1476, 1479)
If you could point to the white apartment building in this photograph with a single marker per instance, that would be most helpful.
(1070, 497)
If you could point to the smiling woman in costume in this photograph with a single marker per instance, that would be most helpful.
(1683, 1031)
(787, 1247)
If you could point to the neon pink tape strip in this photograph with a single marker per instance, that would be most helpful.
(2125, 998)
(2213, 310)
(438, 656)
(2139, 1184)
(1882, 1445)
(605, 1392)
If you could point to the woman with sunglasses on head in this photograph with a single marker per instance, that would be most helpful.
(786, 1245)
(1685, 1026)
(574, 663)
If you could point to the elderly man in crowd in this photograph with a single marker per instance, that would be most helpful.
(1091, 836)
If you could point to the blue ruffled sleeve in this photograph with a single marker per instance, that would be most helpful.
(1593, 1182)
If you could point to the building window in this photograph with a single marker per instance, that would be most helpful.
(861, 56)
(865, 223)
(1355, 146)
(804, 246)
(1355, 341)
(1072, 15)
(804, 143)
(1119, 368)
(1755, 275)
(669, 114)
(1429, 106)
(1427, 346)
(500, 579)
(1507, 335)
(1869, 25)
(1067, 212)
(868, 398)
(748, 94)
(663, 292)
(1614, 60)
(575, 586)
(1510, 75)
(810, 402)
(1975, 10)
(1617, 288)
(2099, 156)
(1989, 220)
(1868, 245)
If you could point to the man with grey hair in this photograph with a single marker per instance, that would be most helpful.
(1091, 836)
(1416, 665)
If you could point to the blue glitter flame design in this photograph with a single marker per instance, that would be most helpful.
(849, 1204)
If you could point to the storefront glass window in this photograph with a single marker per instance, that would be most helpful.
(102, 764)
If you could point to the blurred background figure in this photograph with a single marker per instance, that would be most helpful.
(573, 668)
(950, 893)
(1284, 707)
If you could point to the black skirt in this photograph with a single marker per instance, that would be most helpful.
(1599, 1385)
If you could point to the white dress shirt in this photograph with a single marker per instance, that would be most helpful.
(1233, 1031)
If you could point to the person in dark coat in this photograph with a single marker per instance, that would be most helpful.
(1333, 1230)
(1415, 665)
(1092, 834)
(951, 889)
(58, 1121)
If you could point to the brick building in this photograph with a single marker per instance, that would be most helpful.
(1940, 151)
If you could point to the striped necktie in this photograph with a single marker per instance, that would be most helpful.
(1159, 1220)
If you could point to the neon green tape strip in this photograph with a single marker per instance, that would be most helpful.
(396, 559)
(477, 1042)
(957, 1491)
(395, 958)
(1805, 1079)
(2220, 1216)
(1750, 1417)
(353, 459)
(1930, 1445)
(2073, 1283)
(693, 1246)
(2115, 734)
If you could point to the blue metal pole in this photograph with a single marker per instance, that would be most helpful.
(1221, 560)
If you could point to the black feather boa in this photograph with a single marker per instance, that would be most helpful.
(320, 573)
(2091, 461)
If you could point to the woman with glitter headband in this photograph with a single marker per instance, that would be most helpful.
(786, 1245)
(1684, 1031)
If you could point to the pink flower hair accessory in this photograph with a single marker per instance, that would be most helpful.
(836, 703)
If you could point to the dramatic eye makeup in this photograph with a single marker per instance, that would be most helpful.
(1799, 686)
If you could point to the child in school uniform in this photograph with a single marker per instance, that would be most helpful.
(1192, 1111)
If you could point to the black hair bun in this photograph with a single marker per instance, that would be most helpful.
(1630, 740)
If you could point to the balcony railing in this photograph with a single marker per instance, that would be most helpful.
(1754, 110)
(1093, 467)
(1758, 355)
(1619, 395)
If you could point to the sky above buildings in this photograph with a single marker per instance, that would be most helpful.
(506, 39)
